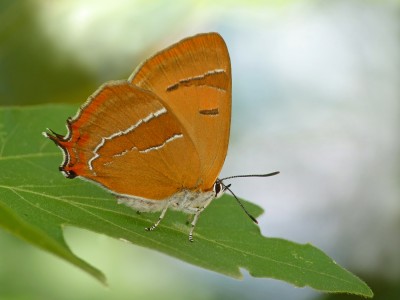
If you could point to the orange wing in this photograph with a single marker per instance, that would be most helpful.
(193, 79)
(127, 140)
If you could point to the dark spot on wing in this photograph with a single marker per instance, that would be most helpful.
(209, 112)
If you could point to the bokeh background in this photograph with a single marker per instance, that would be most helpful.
(316, 95)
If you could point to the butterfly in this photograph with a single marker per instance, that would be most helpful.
(159, 139)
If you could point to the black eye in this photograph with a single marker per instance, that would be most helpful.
(217, 188)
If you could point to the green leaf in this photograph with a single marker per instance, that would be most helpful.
(36, 202)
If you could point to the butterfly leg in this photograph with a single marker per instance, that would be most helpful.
(193, 224)
(154, 226)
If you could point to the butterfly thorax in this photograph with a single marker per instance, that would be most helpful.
(187, 201)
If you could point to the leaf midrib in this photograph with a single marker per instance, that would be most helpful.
(29, 155)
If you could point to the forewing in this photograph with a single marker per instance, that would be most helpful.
(193, 79)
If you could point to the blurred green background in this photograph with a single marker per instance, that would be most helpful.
(316, 95)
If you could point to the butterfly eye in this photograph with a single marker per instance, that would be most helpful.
(218, 189)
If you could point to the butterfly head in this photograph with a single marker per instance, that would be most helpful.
(220, 188)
